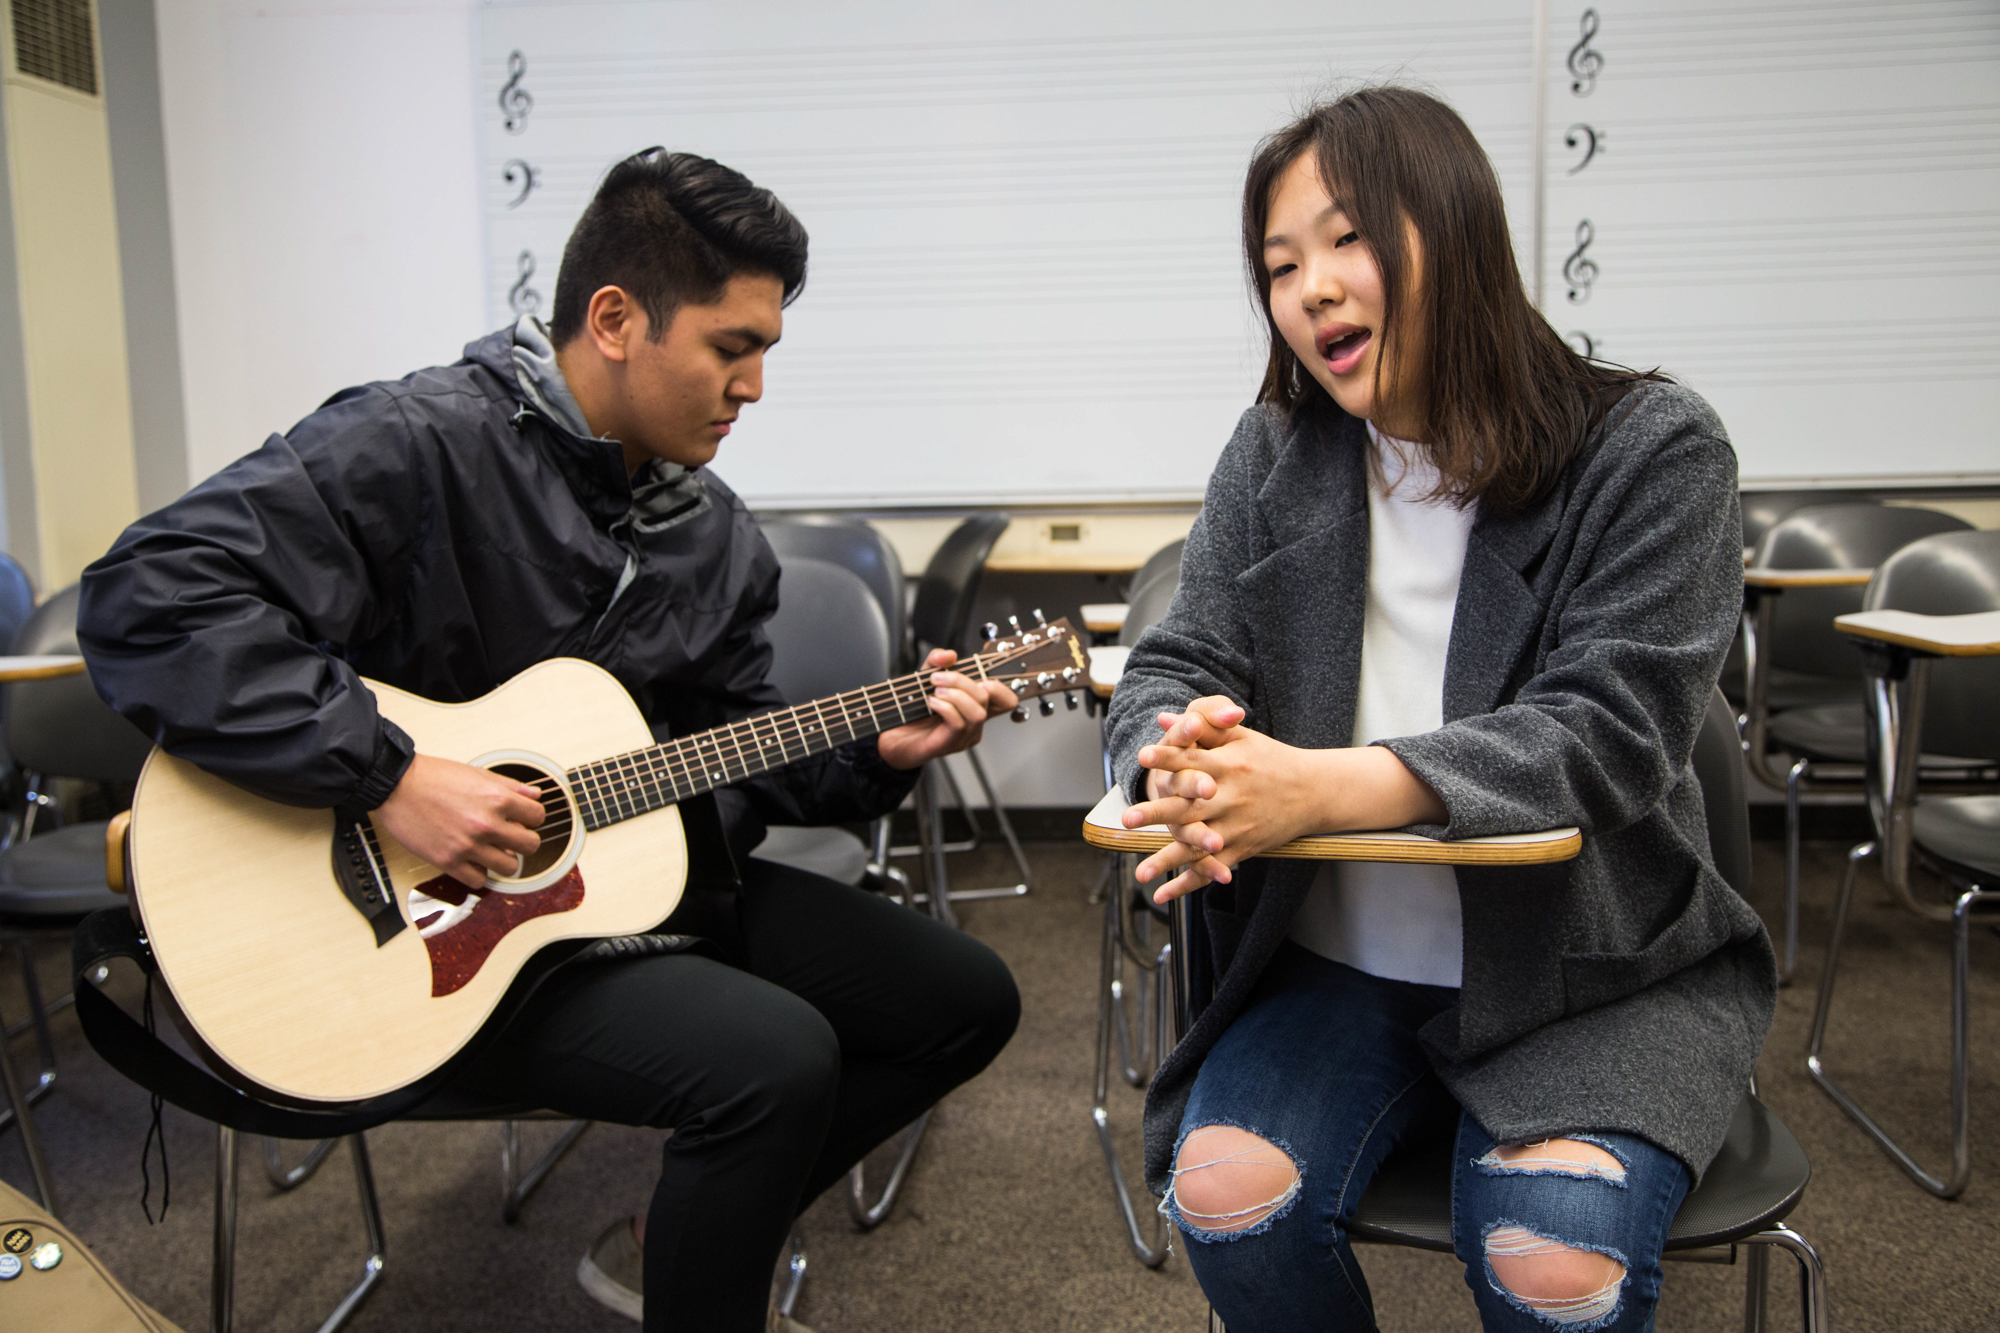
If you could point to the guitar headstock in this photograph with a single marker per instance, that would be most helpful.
(1041, 660)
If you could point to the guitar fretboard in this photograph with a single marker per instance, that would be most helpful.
(642, 781)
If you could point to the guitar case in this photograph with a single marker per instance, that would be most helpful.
(51, 1282)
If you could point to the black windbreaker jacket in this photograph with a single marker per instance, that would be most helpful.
(439, 535)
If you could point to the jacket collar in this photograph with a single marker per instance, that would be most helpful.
(593, 469)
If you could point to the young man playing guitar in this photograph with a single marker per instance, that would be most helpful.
(544, 497)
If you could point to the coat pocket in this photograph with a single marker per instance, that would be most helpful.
(1593, 979)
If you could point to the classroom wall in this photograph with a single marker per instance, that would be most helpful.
(352, 250)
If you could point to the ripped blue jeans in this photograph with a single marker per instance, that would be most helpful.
(1324, 1063)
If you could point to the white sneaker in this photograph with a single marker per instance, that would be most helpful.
(613, 1270)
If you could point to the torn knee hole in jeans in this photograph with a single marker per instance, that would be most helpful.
(1559, 1283)
(1577, 1156)
(1229, 1182)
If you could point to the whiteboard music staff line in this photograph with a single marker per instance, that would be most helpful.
(1771, 146)
(1803, 38)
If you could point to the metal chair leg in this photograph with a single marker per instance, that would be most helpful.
(31, 1142)
(937, 892)
(1151, 1253)
(38, 1020)
(868, 1216)
(222, 1271)
(371, 1218)
(1812, 1272)
(1006, 831)
(794, 1275)
(292, 1178)
(1756, 1287)
(222, 1277)
(1788, 961)
(1944, 1187)
(516, 1187)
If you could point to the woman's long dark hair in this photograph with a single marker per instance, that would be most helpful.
(1507, 404)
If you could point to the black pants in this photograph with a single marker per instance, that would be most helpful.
(850, 1016)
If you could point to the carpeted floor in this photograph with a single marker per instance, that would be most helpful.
(1008, 1223)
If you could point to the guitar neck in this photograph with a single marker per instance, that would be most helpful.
(642, 781)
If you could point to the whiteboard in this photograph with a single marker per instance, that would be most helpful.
(1794, 207)
(1026, 283)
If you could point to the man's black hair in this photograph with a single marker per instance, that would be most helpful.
(672, 229)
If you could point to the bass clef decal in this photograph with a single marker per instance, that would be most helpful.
(1585, 60)
(525, 178)
(1579, 270)
(1578, 133)
(521, 298)
(515, 102)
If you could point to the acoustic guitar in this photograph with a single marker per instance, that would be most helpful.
(318, 962)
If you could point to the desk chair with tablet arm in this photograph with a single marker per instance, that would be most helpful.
(1755, 1181)
(1933, 662)
(1803, 680)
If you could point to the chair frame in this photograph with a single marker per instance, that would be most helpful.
(1898, 679)
(1812, 776)
(1133, 1057)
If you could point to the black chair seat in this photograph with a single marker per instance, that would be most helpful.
(57, 876)
(1754, 1181)
(1838, 733)
(1964, 830)
(1786, 689)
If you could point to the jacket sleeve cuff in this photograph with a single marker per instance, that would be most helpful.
(876, 773)
(393, 752)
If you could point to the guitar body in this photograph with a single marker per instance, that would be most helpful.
(279, 976)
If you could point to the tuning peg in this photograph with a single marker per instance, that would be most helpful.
(1039, 619)
(992, 630)
(1015, 623)
(1069, 700)
(1020, 714)
(1048, 706)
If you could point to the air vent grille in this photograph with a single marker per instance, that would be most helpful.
(53, 40)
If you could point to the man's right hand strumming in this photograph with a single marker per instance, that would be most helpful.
(466, 821)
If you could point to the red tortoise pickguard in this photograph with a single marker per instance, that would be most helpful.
(458, 954)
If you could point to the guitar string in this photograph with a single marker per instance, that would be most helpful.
(642, 786)
(785, 729)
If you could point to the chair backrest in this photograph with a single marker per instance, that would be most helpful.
(60, 726)
(829, 633)
(1168, 557)
(855, 547)
(1851, 536)
(17, 599)
(1953, 573)
(950, 583)
(1146, 605)
(1718, 766)
(1761, 509)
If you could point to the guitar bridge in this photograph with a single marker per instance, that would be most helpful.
(363, 877)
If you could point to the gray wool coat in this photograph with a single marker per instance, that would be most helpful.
(1627, 990)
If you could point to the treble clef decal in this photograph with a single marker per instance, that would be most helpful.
(1579, 271)
(1585, 60)
(526, 178)
(1578, 133)
(515, 103)
(521, 298)
(1583, 343)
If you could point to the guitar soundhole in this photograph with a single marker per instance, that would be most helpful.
(561, 830)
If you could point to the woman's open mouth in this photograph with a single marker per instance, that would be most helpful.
(1343, 347)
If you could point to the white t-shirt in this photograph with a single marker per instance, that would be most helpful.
(1398, 921)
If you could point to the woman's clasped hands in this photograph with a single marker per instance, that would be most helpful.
(1227, 793)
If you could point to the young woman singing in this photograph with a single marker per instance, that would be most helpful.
(1449, 575)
